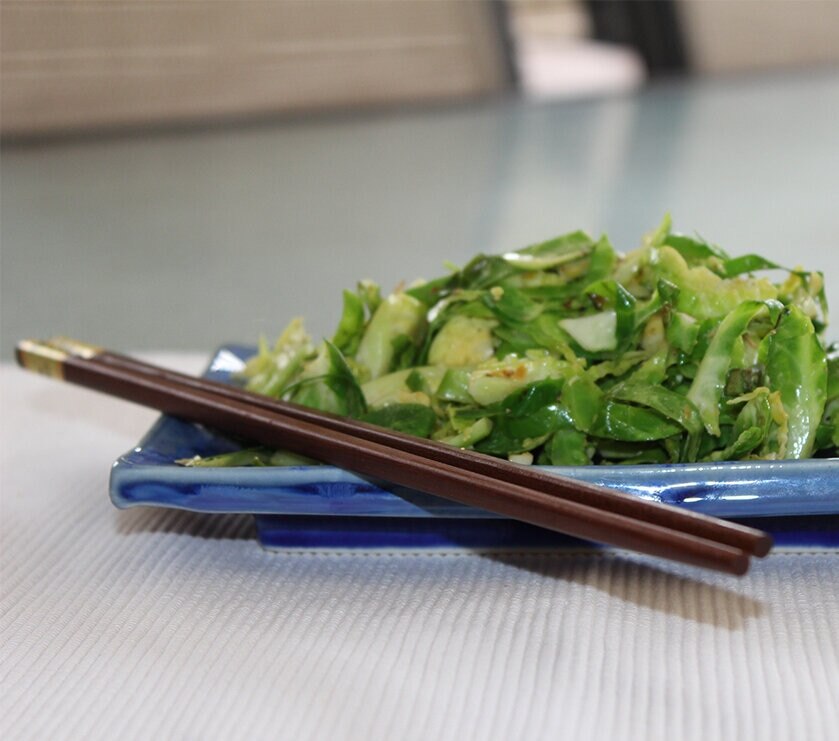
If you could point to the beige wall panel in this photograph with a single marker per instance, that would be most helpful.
(78, 64)
(736, 35)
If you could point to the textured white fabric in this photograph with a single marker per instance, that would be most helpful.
(159, 624)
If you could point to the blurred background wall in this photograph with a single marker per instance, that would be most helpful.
(742, 35)
(77, 64)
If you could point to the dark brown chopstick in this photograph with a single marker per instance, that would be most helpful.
(373, 459)
(755, 542)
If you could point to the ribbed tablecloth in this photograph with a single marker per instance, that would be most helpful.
(161, 624)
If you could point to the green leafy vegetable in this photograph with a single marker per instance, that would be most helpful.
(351, 327)
(709, 383)
(412, 419)
(568, 352)
(796, 365)
(249, 457)
(397, 323)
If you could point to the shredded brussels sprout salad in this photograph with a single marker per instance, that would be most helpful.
(570, 353)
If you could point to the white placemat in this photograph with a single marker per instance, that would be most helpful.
(160, 624)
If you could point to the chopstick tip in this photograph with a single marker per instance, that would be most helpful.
(763, 544)
(740, 565)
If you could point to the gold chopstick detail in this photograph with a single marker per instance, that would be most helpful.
(40, 357)
(76, 348)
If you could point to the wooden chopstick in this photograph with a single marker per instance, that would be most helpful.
(751, 540)
(369, 458)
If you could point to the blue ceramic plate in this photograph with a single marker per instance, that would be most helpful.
(325, 507)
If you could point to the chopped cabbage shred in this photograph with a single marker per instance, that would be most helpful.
(570, 353)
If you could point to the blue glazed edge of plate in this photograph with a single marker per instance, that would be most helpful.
(147, 475)
(306, 533)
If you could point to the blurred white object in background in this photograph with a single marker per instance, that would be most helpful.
(556, 69)
(556, 57)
